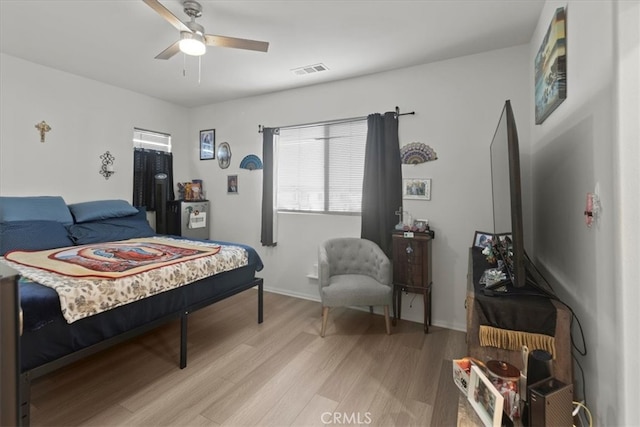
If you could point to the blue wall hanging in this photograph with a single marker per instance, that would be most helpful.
(251, 162)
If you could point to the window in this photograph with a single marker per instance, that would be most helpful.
(151, 156)
(151, 140)
(321, 167)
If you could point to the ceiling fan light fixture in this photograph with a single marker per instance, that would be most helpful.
(192, 44)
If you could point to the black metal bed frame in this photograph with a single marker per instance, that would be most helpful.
(27, 376)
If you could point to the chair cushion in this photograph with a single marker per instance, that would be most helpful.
(355, 289)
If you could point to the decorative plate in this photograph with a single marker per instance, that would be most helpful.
(224, 155)
(251, 162)
(417, 152)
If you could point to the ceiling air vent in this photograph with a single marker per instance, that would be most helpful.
(309, 69)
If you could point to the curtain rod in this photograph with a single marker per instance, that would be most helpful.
(352, 119)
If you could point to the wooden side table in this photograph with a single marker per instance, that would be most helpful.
(412, 271)
(563, 360)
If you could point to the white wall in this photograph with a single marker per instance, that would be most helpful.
(573, 154)
(627, 195)
(457, 104)
(87, 118)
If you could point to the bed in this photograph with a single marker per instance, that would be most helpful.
(64, 319)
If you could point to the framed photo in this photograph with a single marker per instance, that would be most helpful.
(550, 68)
(482, 239)
(416, 188)
(224, 155)
(504, 237)
(420, 224)
(485, 399)
(232, 184)
(207, 144)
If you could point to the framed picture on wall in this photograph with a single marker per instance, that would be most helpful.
(232, 184)
(224, 155)
(207, 144)
(416, 188)
(551, 68)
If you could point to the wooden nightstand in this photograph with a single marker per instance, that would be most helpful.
(412, 271)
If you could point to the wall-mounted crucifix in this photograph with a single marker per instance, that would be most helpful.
(43, 127)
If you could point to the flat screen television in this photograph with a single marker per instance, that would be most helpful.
(507, 196)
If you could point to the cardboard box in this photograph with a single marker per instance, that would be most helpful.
(462, 374)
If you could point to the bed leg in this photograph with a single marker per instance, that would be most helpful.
(260, 300)
(183, 340)
(25, 399)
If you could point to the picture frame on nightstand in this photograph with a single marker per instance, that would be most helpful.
(482, 239)
(485, 398)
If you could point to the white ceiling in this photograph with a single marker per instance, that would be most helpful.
(116, 41)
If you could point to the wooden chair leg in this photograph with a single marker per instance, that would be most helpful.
(325, 316)
(370, 309)
(387, 322)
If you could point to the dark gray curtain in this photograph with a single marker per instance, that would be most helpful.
(146, 164)
(382, 184)
(268, 209)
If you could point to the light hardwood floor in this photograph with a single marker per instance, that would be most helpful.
(279, 373)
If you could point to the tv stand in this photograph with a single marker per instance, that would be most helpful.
(477, 302)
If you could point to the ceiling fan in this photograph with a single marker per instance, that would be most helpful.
(193, 40)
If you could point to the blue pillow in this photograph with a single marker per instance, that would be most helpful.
(32, 236)
(112, 229)
(39, 208)
(101, 209)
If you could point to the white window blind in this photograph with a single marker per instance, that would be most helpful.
(320, 167)
(151, 140)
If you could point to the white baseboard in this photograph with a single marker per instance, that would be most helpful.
(317, 299)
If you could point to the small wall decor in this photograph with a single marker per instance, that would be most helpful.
(224, 155)
(42, 127)
(107, 169)
(232, 184)
(416, 188)
(207, 144)
(417, 152)
(251, 162)
(551, 68)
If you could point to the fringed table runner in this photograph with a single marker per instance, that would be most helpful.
(514, 340)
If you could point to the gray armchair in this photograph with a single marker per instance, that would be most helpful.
(353, 272)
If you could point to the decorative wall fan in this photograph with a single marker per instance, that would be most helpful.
(416, 152)
(251, 162)
(193, 40)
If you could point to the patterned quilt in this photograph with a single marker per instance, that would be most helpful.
(90, 279)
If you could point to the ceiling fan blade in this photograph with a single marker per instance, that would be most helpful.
(223, 41)
(170, 51)
(166, 14)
